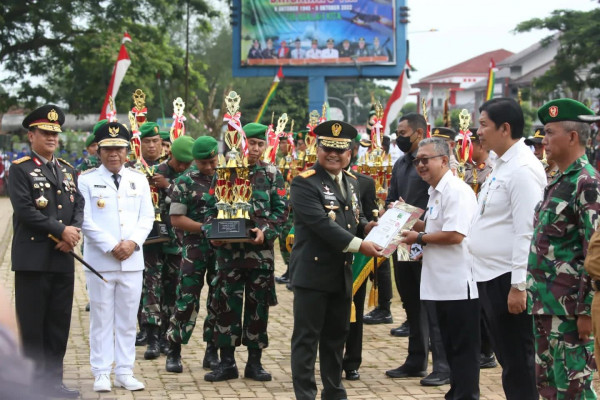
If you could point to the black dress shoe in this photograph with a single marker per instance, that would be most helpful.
(487, 361)
(282, 279)
(378, 316)
(63, 392)
(405, 372)
(436, 379)
(401, 331)
(352, 375)
(141, 338)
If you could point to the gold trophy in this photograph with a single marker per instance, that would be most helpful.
(233, 189)
(464, 147)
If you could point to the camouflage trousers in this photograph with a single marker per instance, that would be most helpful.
(287, 227)
(564, 364)
(250, 290)
(161, 273)
(197, 262)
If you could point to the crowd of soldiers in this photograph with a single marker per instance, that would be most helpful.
(332, 211)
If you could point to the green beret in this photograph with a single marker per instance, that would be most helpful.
(181, 149)
(89, 140)
(300, 134)
(165, 136)
(149, 129)
(565, 110)
(98, 125)
(256, 131)
(205, 147)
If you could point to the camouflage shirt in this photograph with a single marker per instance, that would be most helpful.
(88, 163)
(164, 203)
(189, 196)
(564, 222)
(269, 211)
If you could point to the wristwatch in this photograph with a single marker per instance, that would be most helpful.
(521, 286)
(420, 239)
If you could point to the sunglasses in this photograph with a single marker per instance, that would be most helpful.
(424, 160)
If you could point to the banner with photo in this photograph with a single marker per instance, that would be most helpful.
(317, 32)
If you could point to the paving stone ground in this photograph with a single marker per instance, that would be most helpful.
(381, 352)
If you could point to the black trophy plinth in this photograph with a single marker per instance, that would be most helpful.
(158, 234)
(232, 230)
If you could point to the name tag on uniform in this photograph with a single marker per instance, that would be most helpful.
(329, 197)
(100, 186)
(39, 179)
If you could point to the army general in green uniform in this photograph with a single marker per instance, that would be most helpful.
(327, 222)
(245, 271)
(559, 289)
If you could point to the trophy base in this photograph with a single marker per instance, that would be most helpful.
(232, 230)
(158, 234)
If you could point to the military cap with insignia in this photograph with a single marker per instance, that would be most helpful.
(113, 134)
(444, 133)
(335, 134)
(205, 147)
(537, 137)
(330, 40)
(565, 110)
(473, 135)
(48, 117)
(256, 131)
(149, 129)
(182, 149)
(165, 136)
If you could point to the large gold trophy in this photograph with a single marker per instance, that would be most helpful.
(375, 162)
(233, 189)
(464, 148)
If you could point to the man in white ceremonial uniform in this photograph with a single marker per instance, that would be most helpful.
(314, 51)
(118, 216)
(447, 274)
(329, 51)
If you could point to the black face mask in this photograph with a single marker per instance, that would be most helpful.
(404, 143)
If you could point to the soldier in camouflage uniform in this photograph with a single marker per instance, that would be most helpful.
(91, 146)
(160, 278)
(559, 290)
(188, 207)
(245, 271)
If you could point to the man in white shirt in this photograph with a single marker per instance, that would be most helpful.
(499, 241)
(314, 51)
(118, 216)
(447, 276)
(329, 51)
(297, 51)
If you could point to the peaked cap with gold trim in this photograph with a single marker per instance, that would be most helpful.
(335, 134)
(537, 137)
(48, 117)
(113, 134)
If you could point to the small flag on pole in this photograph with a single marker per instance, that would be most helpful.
(270, 94)
(119, 70)
(489, 93)
(396, 101)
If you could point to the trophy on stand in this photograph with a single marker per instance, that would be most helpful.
(375, 162)
(233, 189)
(464, 148)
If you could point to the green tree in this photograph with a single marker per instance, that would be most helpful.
(576, 64)
(409, 107)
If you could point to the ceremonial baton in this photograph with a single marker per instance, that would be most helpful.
(88, 266)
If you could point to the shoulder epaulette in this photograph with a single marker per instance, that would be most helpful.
(65, 162)
(307, 173)
(135, 170)
(22, 159)
(350, 174)
(87, 171)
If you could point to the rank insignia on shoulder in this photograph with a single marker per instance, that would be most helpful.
(350, 174)
(135, 170)
(87, 171)
(65, 162)
(307, 173)
(22, 159)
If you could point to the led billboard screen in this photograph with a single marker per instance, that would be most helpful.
(307, 33)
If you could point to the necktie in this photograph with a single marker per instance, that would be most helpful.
(116, 178)
(338, 182)
(50, 165)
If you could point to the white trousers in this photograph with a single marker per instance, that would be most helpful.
(113, 317)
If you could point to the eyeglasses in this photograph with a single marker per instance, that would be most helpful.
(424, 160)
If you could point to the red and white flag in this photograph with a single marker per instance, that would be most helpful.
(121, 66)
(396, 101)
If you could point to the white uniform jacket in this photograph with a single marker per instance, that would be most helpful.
(112, 215)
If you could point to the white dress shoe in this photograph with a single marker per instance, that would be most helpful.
(128, 382)
(102, 383)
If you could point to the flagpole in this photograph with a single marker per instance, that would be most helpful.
(270, 94)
